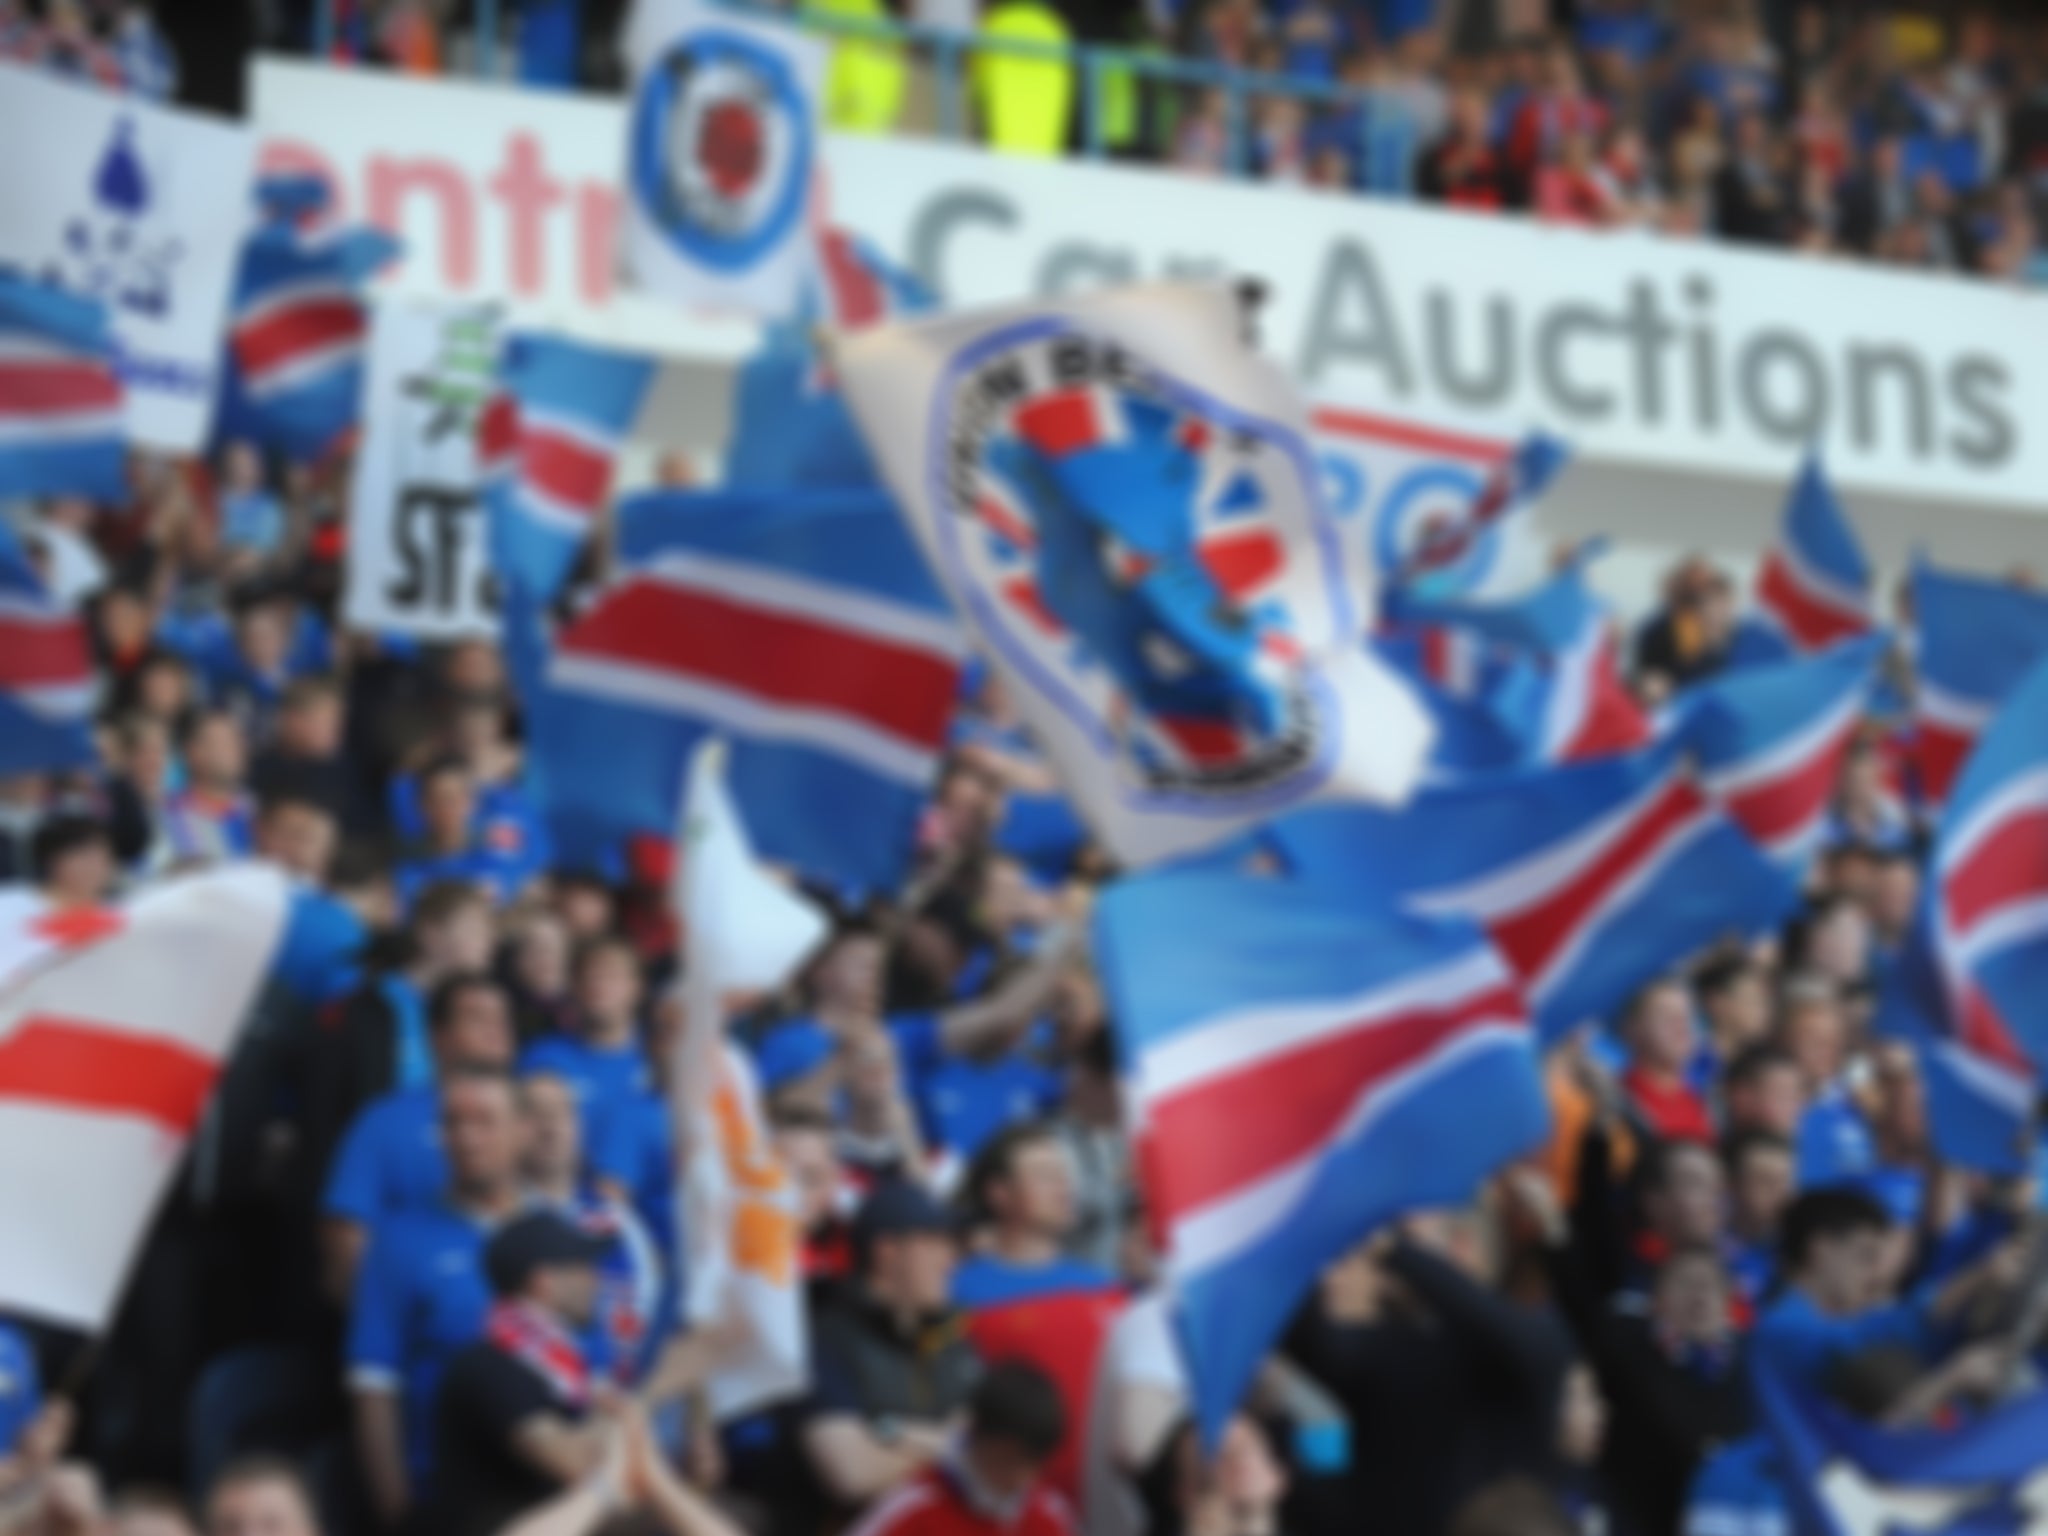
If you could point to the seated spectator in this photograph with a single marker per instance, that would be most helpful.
(1763, 1090)
(603, 1059)
(513, 1420)
(252, 522)
(212, 817)
(995, 1480)
(1762, 1178)
(536, 965)
(1662, 1041)
(1735, 999)
(421, 1297)
(450, 847)
(1024, 1298)
(890, 1361)
(260, 1496)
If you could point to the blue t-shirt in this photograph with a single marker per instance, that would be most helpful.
(420, 1297)
(508, 824)
(1738, 1491)
(1834, 1144)
(475, 865)
(391, 1162)
(21, 1386)
(1796, 1339)
(316, 958)
(251, 520)
(608, 1082)
(983, 1280)
(550, 42)
(961, 1102)
(635, 1148)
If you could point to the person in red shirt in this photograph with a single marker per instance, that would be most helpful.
(1662, 1039)
(994, 1480)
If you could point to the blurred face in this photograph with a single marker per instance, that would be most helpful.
(972, 804)
(543, 959)
(1763, 1186)
(914, 1271)
(245, 470)
(1690, 1302)
(1817, 1035)
(312, 727)
(300, 837)
(1895, 897)
(150, 1522)
(477, 730)
(1841, 943)
(609, 987)
(813, 1164)
(480, 1131)
(474, 667)
(1581, 1419)
(1771, 1101)
(586, 910)
(83, 876)
(1846, 1274)
(124, 621)
(462, 942)
(263, 635)
(448, 805)
(1003, 1467)
(849, 977)
(1689, 1206)
(1038, 1195)
(479, 1028)
(1661, 1034)
(1741, 1012)
(568, 1290)
(260, 1507)
(216, 754)
(554, 1130)
(1902, 1098)
(149, 756)
(165, 690)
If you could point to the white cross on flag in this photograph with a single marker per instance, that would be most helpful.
(114, 1026)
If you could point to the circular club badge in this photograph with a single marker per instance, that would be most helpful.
(721, 149)
(1147, 557)
(1423, 502)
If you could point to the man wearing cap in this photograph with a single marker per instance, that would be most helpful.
(891, 1365)
(512, 1420)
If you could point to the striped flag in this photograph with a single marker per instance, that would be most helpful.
(1462, 553)
(61, 404)
(1593, 879)
(547, 443)
(299, 329)
(1814, 586)
(111, 1041)
(1769, 742)
(1977, 640)
(48, 686)
(1365, 1064)
(802, 628)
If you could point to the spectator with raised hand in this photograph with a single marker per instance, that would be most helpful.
(212, 817)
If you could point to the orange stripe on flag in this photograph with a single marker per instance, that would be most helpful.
(68, 1064)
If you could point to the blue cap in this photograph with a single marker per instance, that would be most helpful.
(790, 1051)
(898, 1209)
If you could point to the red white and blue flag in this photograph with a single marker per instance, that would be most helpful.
(1123, 503)
(1769, 742)
(1463, 554)
(1814, 586)
(48, 686)
(1977, 640)
(546, 446)
(299, 327)
(802, 629)
(1593, 879)
(1315, 1067)
(62, 428)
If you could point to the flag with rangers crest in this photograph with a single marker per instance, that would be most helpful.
(1122, 501)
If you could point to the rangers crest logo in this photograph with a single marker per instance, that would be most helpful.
(1126, 541)
(721, 150)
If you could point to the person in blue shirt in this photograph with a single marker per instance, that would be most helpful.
(391, 1161)
(1762, 1179)
(251, 521)
(318, 958)
(1021, 1188)
(507, 820)
(21, 1387)
(1835, 1300)
(604, 1061)
(211, 816)
(421, 1294)
(1739, 1491)
(449, 847)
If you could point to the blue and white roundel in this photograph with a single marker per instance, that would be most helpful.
(722, 149)
(1422, 499)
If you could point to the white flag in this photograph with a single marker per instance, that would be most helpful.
(744, 931)
(1122, 499)
(722, 144)
(112, 1035)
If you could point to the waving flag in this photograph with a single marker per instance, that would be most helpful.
(1988, 890)
(61, 431)
(109, 1050)
(1592, 879)
(1365, 1063)
(1770, 742)
(299, 325)
(805, 630)
(546, 444)
(48, 687)
(1122, 502)
(1980, 1106)
(1977, 640)
(1849, 1477)
(1462, 554)
(1814, 585)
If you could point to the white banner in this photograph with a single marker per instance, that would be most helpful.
(142, 208)
(418, 535)
(114, 1027)
(1122, 500)
(722, 147)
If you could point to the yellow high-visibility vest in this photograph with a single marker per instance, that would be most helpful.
(1024, 102)
(865, 86)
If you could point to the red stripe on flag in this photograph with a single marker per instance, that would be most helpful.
(1006, 523)
(41, 655)
(1984, 1030)
(1811, 621)
(497, 429)
(1781, 808)
(1022, 593)
(70, 1064)
(1242, 561)
(567, 471)
(56, 389)
(1060, 423)
(281, 339)
(1203, 741)
(856, 292)
(1533, 937)
(2008, 865)
(778, 658)
(1614, 722)
(1939, 752)
(1284, 1107)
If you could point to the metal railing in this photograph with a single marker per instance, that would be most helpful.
(1096, 70)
